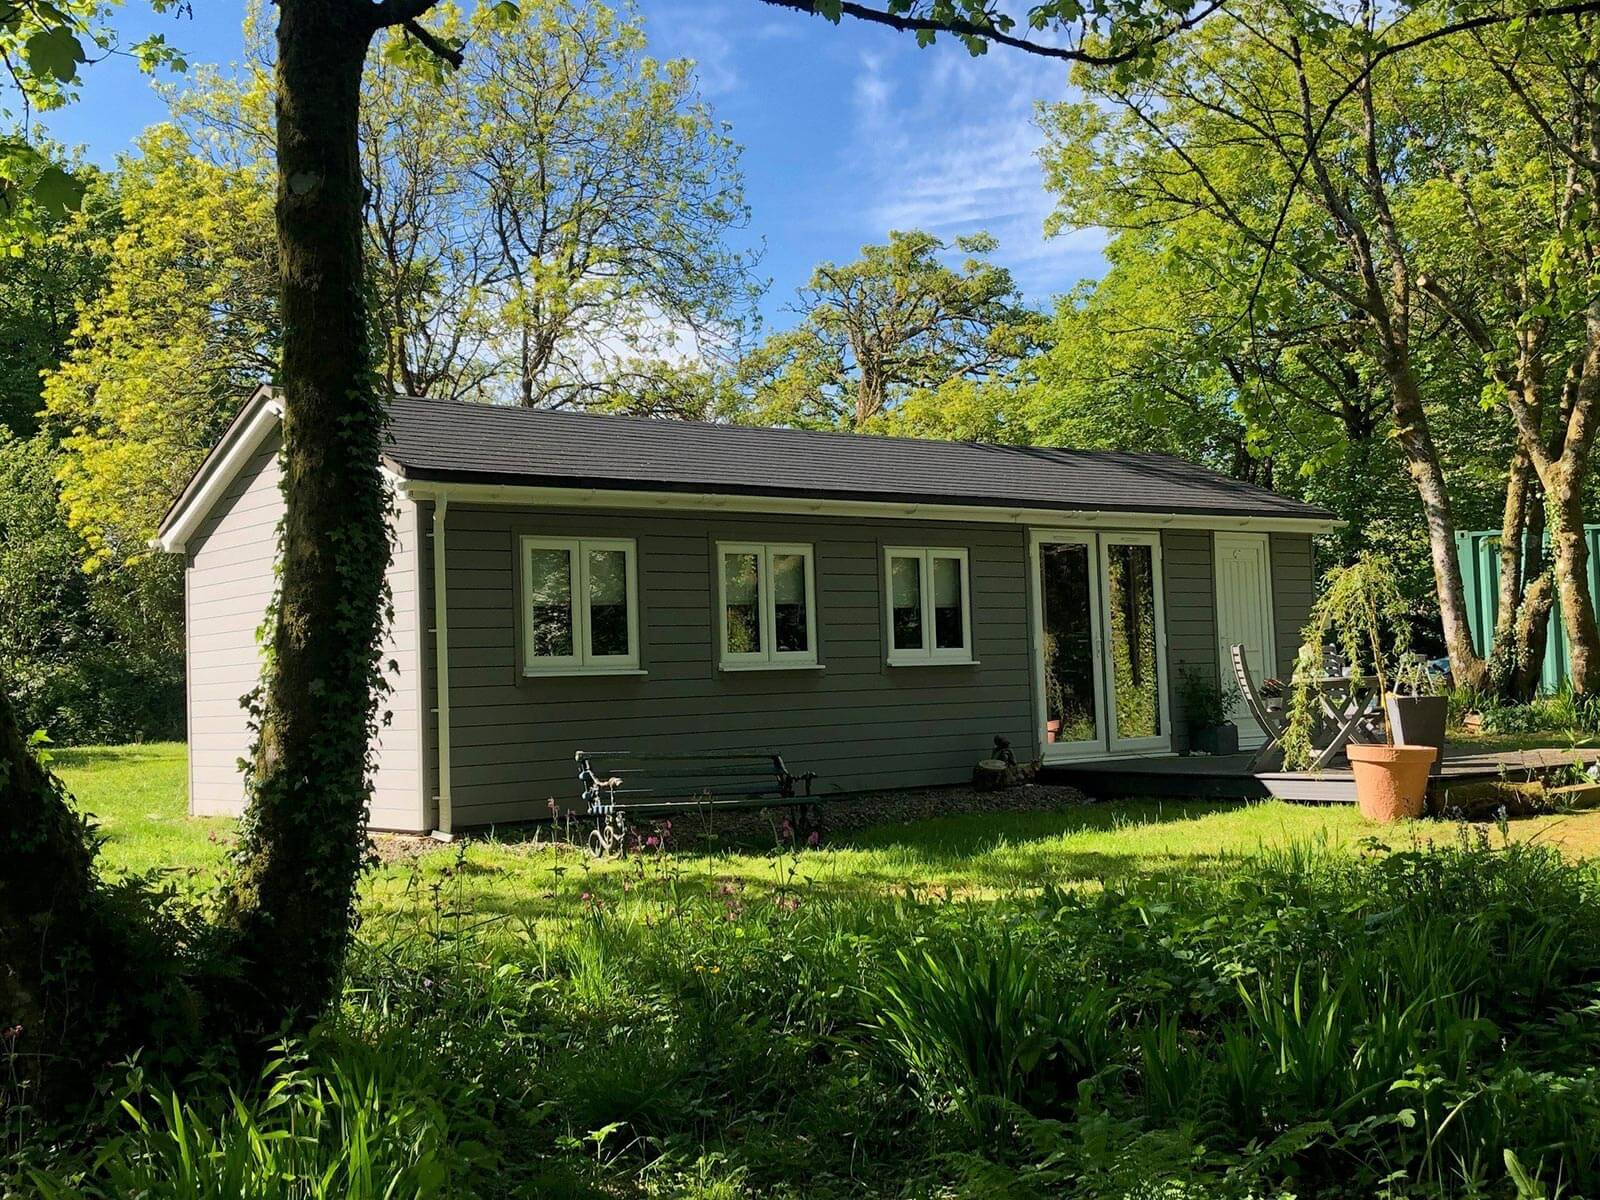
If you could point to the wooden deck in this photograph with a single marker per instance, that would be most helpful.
(1227, 777)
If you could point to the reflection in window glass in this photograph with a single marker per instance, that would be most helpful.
(608, 602)
(789, 632)
(1131, 604)
(905, 590)
(550, 603)
(948, 632)
(1069, 692)
(741, 589)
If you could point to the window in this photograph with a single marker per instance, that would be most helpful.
(929, 613)
(767, 597)
(580, 606)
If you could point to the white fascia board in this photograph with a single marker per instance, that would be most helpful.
(219, 470)
(555, 497)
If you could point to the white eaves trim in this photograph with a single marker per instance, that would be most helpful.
(484, 493)
(258, 418)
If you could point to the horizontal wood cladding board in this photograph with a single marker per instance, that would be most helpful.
(858, 722)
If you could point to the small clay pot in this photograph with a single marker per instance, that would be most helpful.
(1391, 781)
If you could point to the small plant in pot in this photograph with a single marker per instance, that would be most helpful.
(1418, 710)
(1363, 615)
(1206, 707)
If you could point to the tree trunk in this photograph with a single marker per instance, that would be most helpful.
(290, 900)
(1525, 593)
(1411, 427)
(1569, 547)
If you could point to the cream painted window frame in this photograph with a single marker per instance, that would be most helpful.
(583, 660)
(769, 657)
(930, 654)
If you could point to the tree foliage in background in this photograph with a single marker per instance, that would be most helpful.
(88, 658)
(1298, 176)
(44, 46)
(186, 326)
(895, 324)
(547, 223)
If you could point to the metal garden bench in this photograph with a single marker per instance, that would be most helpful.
(618, 784)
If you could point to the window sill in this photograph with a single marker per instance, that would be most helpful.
(932, 662)
(769, 666)
(576, 672)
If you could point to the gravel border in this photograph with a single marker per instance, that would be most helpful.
(831, 818)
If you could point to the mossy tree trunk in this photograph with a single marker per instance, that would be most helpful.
(291, 898)
(86, 971)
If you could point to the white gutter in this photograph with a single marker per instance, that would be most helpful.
(620, 498)
(441, 667)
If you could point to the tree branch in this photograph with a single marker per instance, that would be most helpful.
(443, 49)
(907, 23)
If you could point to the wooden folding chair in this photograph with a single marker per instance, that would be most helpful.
(1271, 753)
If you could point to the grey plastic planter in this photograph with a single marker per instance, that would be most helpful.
(1420, 721)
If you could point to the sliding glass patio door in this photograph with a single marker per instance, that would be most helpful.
(1100, 641)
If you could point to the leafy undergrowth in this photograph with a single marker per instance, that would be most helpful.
(1304, 1022)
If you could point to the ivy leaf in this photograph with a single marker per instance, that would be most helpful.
(828, 8)
(54, 54)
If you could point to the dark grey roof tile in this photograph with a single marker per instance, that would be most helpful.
(435, 440)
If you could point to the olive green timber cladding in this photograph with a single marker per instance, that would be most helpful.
(1294, 590)
(857, 722)
(228, 584)
(1186, 572)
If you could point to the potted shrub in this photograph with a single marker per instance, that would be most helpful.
(1362, 613)
(1206, 706)
(1417, 710)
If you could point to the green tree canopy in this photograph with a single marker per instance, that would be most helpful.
(896, 323)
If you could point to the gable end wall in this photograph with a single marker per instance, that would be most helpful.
(228, 583)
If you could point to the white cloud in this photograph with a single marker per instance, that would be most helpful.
(950, 146)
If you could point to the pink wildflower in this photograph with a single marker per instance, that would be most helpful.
(814, 838)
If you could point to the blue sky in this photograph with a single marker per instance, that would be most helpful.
(848, 131)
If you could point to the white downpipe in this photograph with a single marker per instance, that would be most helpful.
(441, 669)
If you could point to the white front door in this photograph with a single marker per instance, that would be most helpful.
(1243, 568)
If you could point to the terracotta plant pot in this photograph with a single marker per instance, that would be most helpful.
(1391, 781)
(1052, 731)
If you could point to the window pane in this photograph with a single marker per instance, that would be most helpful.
(608, 602)
(1131, 609)
(550, 603)
(905, 601)
(1065, 583)
(947, 601)
(741, 587)
(789, 602)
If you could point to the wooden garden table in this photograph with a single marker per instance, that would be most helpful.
(1346, 702)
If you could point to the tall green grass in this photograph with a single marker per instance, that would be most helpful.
(1305, 1022)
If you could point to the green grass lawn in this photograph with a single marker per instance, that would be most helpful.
(857, 1021)
(137, 794)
